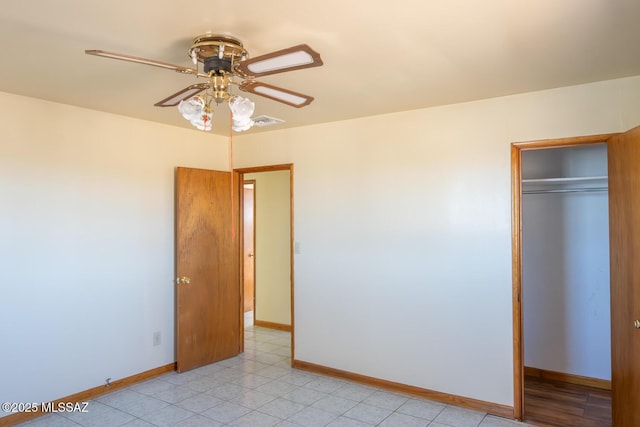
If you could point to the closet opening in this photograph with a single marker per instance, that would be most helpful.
(562, 323)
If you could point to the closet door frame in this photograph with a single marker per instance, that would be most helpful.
(516, 249)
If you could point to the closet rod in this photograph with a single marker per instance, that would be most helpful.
(567, 190)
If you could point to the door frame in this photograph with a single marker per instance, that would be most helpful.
(270, 168)
(516, 249)
(253, 218)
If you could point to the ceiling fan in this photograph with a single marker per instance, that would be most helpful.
(225, 62)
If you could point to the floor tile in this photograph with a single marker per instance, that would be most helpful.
(348, 422)
(253, 399)
(255, 419)
(354, 392)
(199, 403)
(296, 378)
(226, 412)
(285, 362)
(198, 421)
(459, 417)
(250, 366)
(402, 420)
(179, 379)
(52, 420)
(176, 394)
(386, 400)
(305, 396)
(273, 372)
(493, 421)
(138, 423)
(421, 408)
(151, 387)
(202, 384)
(251, 380)
(276, 388)
(284, 340)
(286, 423)
(282, 408)
(132, 402)
(282, 351)
(228, 391)
(335, 404)
(268, 358)
(167, 416)
(100, 415)
(312, 417)
(232, 361)
(209, 370)
(324, 384)
(267, 347)
(368, 413)
(260, 389)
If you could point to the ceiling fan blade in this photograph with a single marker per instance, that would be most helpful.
(289, 97)
(293, 58)
(188, 92)
(123, 57)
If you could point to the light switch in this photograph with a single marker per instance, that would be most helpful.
(296, 247)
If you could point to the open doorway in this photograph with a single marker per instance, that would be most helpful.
(248, 251)
(267, 252)
(562, 321)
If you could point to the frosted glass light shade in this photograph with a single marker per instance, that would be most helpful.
(192, 108)
(241, 110)
(203, 121)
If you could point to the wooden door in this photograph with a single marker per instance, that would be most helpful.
(249, 245)
(207, 269)
(624, 225)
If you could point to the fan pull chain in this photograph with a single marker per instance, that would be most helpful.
(233, 228)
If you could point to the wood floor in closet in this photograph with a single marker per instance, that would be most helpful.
(557, 404)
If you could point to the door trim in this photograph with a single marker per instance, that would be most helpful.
(270, 168)
(253, 303)
(516, 249)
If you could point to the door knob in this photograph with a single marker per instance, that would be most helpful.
(250, 255)
(637, 324)
(184, 280)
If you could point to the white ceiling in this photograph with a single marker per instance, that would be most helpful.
(379, 56)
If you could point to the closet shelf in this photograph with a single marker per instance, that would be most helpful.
(569, 180)
(580, 184)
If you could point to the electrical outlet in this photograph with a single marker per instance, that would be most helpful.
(157, 338)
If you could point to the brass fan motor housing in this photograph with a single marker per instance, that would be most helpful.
(218, 53)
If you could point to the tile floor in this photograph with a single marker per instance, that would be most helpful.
(259, 388)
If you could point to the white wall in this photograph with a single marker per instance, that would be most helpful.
(404, 224)
(273, 252)
(404, 220)
(565, 265)
(86, 244)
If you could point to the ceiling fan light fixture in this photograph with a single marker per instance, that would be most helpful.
(241, 110)
(203, 122)
(223, 58)
(191, 108)
(240, 127)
